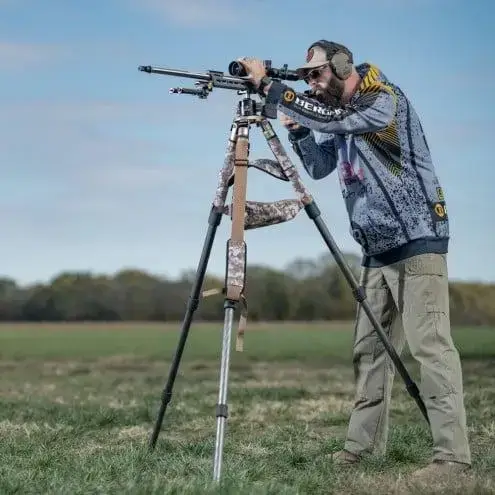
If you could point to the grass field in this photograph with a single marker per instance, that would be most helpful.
(78, 403)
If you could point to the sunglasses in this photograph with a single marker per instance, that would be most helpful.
(314, 73)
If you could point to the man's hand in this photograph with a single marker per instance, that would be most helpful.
(255, 69)
(288, 122)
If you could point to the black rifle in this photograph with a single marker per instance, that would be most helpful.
(210, 79)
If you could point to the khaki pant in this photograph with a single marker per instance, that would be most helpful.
(410, 299)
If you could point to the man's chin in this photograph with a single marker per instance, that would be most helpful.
(319, 94)
(331, 95)
(327, 99)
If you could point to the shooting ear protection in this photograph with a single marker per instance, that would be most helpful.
(340, 58)
(340, 65)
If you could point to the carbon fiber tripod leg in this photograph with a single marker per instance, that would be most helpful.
(313, 212)
(213, 223)
(214, 220)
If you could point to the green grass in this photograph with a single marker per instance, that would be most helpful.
(78, 402)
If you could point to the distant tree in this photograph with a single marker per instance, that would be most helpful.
(307, 289)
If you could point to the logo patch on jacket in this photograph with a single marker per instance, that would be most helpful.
(315, 109)
(288, 95)
(440, 210)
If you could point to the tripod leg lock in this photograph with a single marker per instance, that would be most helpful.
(229, 304)
(167, 396)
(215, 216)
(222, 411)
(359, 294)
(312, 210)
(192, 304)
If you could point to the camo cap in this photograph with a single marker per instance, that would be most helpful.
(321, 52)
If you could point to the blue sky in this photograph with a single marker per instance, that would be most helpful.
(102, 168)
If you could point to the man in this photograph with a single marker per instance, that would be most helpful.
(354, 120)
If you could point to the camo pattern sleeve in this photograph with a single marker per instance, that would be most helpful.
(372, 110)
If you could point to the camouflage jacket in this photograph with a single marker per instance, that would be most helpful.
(377, 145)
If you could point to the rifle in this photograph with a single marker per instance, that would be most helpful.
(206, 81)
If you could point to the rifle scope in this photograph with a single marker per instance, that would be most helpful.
(236, 69)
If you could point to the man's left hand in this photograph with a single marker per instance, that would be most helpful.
(255, 69)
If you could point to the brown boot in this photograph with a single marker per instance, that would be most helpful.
(345, 458)
(439, 471)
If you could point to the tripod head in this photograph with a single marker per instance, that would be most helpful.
(206, 81)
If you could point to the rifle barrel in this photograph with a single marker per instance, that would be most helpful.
(199, 76)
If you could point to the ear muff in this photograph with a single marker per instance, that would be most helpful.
(341, 60)
(341, 65)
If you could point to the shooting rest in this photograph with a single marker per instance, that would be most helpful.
(247, 215)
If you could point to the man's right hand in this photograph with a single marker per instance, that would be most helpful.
(288, 122)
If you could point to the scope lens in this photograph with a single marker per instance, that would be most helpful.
(236, 69)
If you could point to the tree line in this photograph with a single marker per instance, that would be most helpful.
(305, 290)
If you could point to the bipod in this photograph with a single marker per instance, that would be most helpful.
(247, 215)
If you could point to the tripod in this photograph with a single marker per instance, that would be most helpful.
(248, 215)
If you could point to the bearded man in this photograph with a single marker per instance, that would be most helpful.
(355, 120)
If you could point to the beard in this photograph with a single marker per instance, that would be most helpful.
(332, 94)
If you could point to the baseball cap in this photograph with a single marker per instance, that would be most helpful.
(320, 52)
